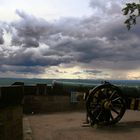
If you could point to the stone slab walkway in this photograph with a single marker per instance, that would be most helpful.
(68, 126)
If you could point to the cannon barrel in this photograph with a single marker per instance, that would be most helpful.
(126, 91)
(72, 86)
(130, 91)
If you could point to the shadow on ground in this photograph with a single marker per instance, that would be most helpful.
(121, 127)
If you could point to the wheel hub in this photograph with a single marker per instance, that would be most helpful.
(107, 105)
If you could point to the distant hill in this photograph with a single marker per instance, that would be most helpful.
(10, 81)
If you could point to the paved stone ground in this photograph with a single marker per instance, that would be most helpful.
(68, 126)
(27, 132)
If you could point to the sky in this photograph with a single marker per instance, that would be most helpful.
(80, 39)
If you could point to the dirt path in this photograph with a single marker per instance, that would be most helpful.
(68, 126)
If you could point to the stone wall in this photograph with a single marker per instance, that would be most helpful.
(11, 123)
(11, 113)
(43, 98)
(54, 103)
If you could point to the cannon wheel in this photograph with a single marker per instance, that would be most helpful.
(105, 105)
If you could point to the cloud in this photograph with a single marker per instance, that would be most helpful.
(93, 71)
(1, 35)
(28, 31)
(22, 69)
(96, 41)
(106, 7)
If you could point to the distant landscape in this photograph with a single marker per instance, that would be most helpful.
(9, 81)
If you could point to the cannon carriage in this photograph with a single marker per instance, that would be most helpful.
(105, 103)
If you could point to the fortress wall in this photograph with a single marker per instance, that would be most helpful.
(11, 113)
(11, 123)
(47, 104)
(45, 99)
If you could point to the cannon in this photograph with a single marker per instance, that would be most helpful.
(105, 103)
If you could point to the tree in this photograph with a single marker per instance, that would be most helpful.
(132, 10)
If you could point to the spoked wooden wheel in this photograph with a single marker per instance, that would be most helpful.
(105, 105)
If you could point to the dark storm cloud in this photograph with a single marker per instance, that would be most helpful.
(87, 50)
(33, 58)
(22, 69)
(88, 71)
(28, 30)
(93, 71)
(1, 36)
(100, 40)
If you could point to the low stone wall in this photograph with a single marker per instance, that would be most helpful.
(54, 103)
(11, 113)
(11, 123)
(43, 98)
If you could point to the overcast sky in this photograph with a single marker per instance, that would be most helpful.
(67, 39)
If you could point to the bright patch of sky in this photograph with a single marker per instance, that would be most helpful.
(48, 9)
